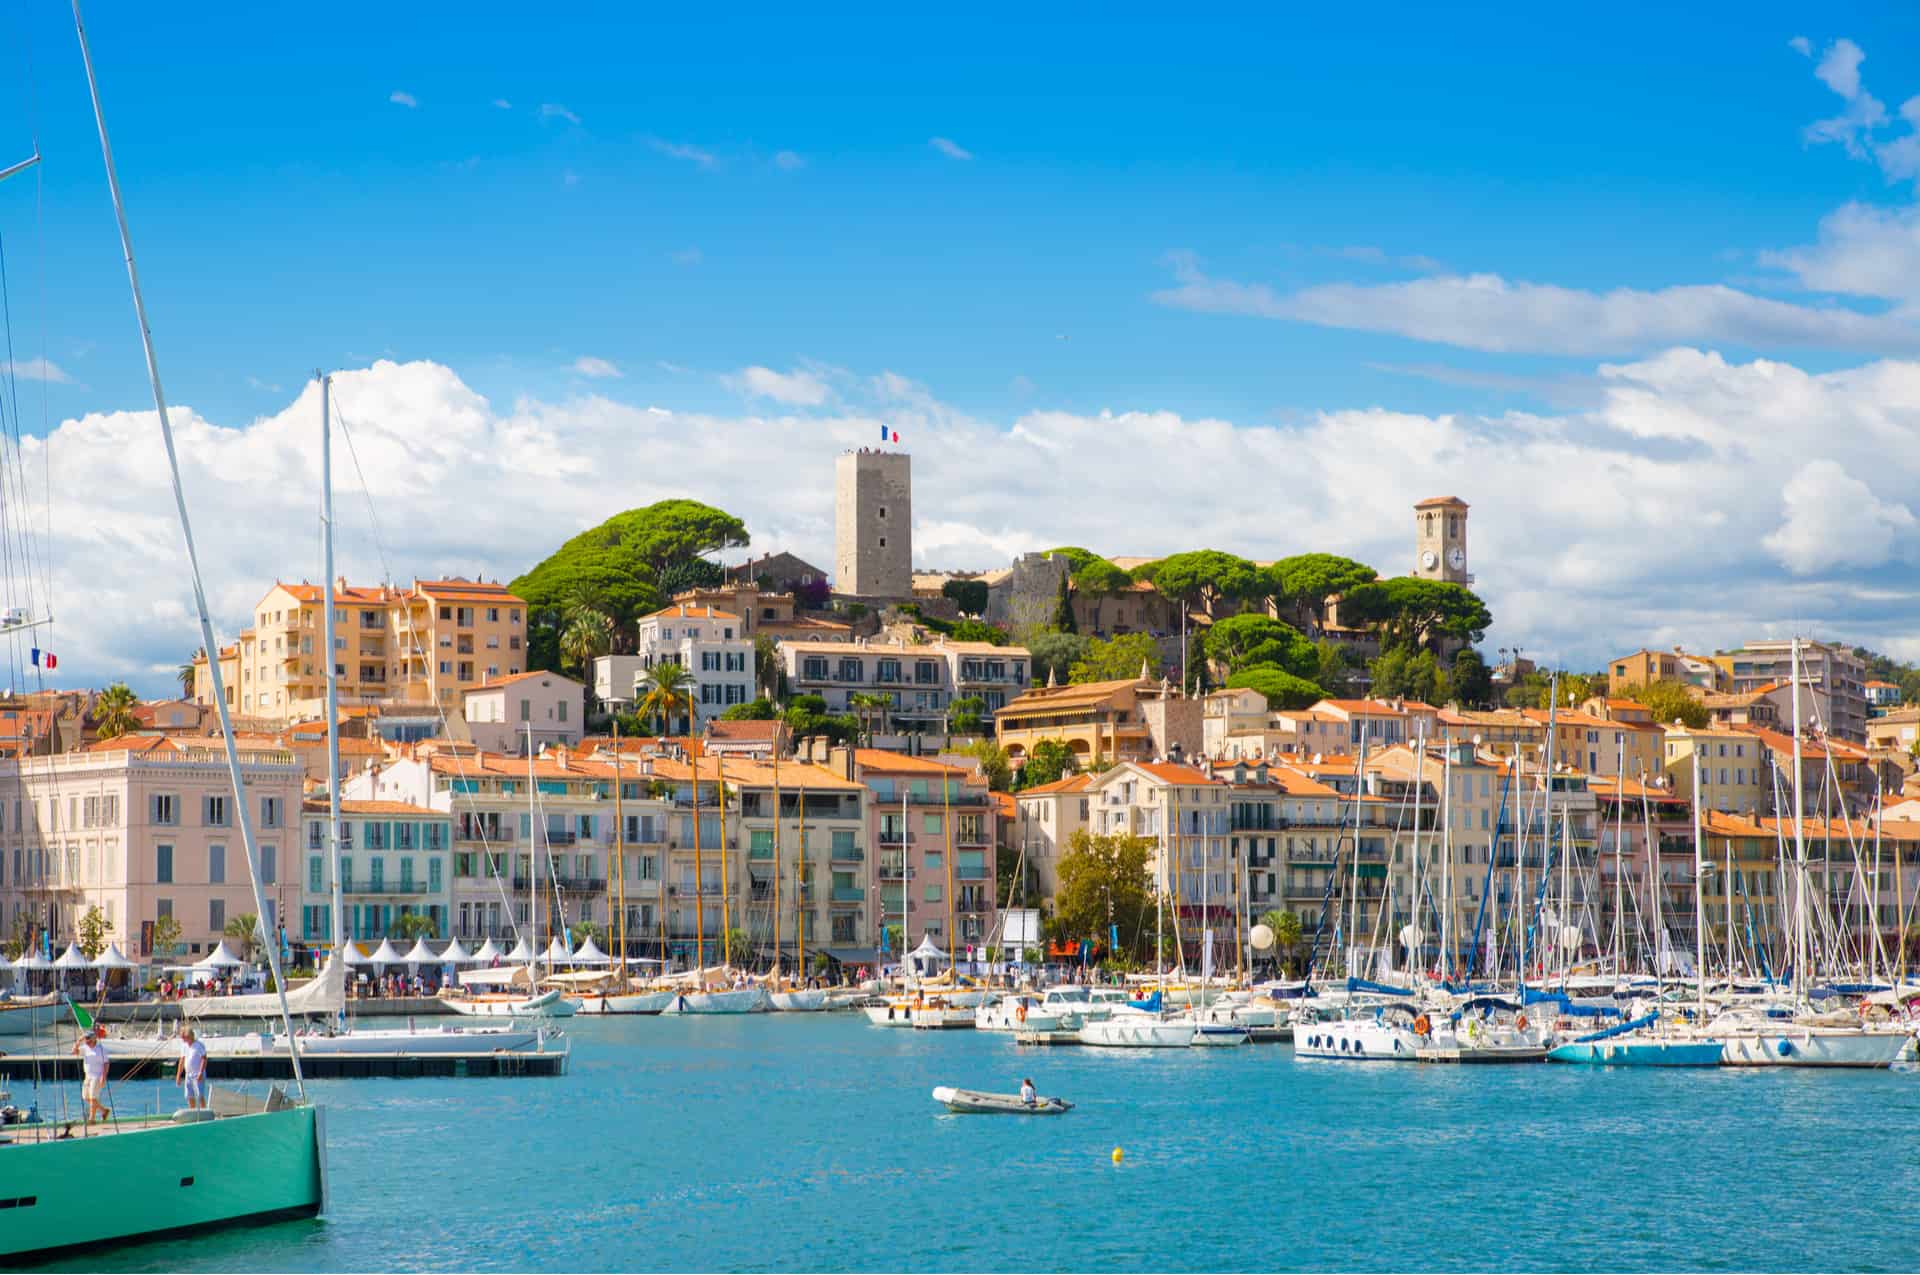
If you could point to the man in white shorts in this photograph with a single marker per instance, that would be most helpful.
(93, 1063)
(191, 1071)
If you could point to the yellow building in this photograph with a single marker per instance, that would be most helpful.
(1101, 721)
(1733, 768)
(419, 646)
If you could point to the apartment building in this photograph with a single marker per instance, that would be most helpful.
(924, 813)
(395, 861)
(1833, 688)
(1048, 816)
(1186, 812)
(144, 827)
(1602, 746)
(920, 680)
(1104, 722)
(525, 712)
(416, 647)
(712, 645)
(767, 614)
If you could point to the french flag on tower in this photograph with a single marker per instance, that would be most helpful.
(45, 659)
(889, 435)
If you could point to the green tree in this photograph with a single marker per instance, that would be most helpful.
(587, 634)
(1054, 653)
(735, 946)
(871, 709)
(1244, 641)
(1409, 611)
(1063, 609)
(669, 694)
(769, 673)
(1203, 577)
(185, 674)
(1670, 702)
(969, 595)
(807, 718)
(1332, 670)
(579, 932)
(113, 711)
(1400, 672)
(759, 710)
(166, 934)
(1076, 556)
(244, 930)
(1103, 881)
(95, 931)
(690, 573)
(993, 764)
(1116, 659)
(1304, 583)
(1471, 679)
(1282, 689)
(415, 925)
(978, 631)
(1286, 935)
(967, 715)
(1051, 759)
(1096, 580)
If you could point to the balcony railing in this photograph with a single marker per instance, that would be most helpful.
(847, 854)
(849, 894)
(965, 873)
(591, 885)
(711, 890)
(387, 887)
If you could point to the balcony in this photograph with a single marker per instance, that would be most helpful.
(547, 836)
(963, 873)
(847, 854)
(849, 894)
(397, 887)
(893, 870)
(578, 885)
(711, 890)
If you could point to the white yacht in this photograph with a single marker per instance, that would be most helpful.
(1387, 1033)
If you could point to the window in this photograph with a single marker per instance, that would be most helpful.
(217, 865)
(930, 824)
(213, 811)
(216, 915)
(814, 667)
(269, 812)
(163, 864)
(563, 710)
(933, 894)
(526, 710)
(161, 809)
(316, 874)
(269, 869)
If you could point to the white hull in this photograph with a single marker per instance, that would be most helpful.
(807, 1001)
(1005, 1018)
(1790, 1046)
(399, 1040)
(747, 1000)
(25, 1016)
(1127, 1032)
(626, 1003)
(945, 1017)
(549, 1004)
(889, 1015)
(1355, 1040)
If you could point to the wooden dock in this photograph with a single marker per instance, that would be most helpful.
(277, 1066)
(1026, 1037)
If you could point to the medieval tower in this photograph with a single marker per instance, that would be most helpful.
(873, 524)
(1440, 540)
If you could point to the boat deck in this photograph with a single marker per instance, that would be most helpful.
(1025, 1037)
(1455, 1054)
(313, 1066)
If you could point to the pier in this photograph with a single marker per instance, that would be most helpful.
(277, 1066)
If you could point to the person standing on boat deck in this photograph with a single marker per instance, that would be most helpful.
(1028, 1094)
(93, 1062)
(190, 1073)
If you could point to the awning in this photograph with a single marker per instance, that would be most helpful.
(849, 955)
(113, 959)
(73, 959)
(499, 976)
(421, 954)
(457, 954)
(489, 951)
(388, 954)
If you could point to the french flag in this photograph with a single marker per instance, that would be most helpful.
(889, 435)
(45, 659)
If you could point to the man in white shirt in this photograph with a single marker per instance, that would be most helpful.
(191, 1071)
(93, 1063)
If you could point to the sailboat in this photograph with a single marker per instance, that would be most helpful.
(240, 1159)
(803, 999)
(615, 993)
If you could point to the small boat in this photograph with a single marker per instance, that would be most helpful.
(512, 1005)
(973, 1102)
(24, 1015)
(1137, 1031)
(633, 1002)
(739, 1000)
(799, 1000)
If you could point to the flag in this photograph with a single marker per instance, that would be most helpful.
(80, 1016)
(44, 659)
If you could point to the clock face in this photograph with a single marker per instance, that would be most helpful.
(1428, 558)
(1456, 557)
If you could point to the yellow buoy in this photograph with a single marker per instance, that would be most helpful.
(1118, 1155)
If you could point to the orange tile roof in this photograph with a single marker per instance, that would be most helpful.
(1718, 823)
(473, 589)
(305, 592)
(689, 611)
(497, 682)
(900, 764)
(1068, 783)
(133, 744)
(1176, 772)
(1004, 804)
(318, 805)
(1374, 706)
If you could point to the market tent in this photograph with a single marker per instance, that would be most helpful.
(73, 959)
(33, 961)
(420, 954)
(112, 959)
(456, 954)
(522, 951)
(926, 958)
(219, 958)
(355, 956)
(388, 954)
(557, 953)
(589, 953)
(489, 951)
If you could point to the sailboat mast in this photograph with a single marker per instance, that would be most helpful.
(533, 872)
(1415, 958)
(699, 867)
(1353, 894)
(1699, 903)
(803, 891)
(1799, 839)
(776, 863)
(618, 901)
(333, 672)
(946, 823)
(726, 882)
(1446, 863)
(261, 911)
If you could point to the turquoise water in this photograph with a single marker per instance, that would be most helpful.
(811, 1143)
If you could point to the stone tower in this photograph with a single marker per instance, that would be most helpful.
(873, 524)
(1440, 540)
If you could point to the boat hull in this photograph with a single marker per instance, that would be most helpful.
(1356, 1040)
(627, 1003)
(746, 1000)
(1639, 1053)
(973, 1102)
(889, 1015)
(163, 1179)
(802, 1001)
(1804, 1047)
(549, 1004)
(1122, 1033)
(24, 1017)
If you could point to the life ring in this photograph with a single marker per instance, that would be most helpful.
(1020, 1013)
(1521, 1022)
(1422, 1025)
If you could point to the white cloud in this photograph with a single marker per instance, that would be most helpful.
(587, 365)
(694, 155)
(950, 148)
(400, 97)
(1487, 312)
(555, 111)
(1696, 501)
(1801, 45)
(1862, 250)
(789, 160)
(36, 369)
(798, 388)
(1839, 68)
(503, 103)
(1834, 520)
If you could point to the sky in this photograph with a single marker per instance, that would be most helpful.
(1644, 289)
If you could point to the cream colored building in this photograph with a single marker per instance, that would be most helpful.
(1734, 776)
(525, 712)
(415, 647)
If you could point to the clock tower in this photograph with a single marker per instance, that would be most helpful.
(1440, 540)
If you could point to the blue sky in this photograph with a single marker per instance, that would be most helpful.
(1425, 233)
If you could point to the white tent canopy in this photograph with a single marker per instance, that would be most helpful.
(33, 961)
(522, 951)
(488, 951)
(456, 954)
(926, 957)
(73, 959)
(590, 954)
(388, 954)
(219, 958)
(557, 952)
(420, 954)
(502, 976)
(355, 956)
(112, 959)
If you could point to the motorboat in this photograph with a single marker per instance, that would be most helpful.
(1022, 1011)
(1138, 1030)
(24, 1015)
(1386, 1033)
(973, 1102)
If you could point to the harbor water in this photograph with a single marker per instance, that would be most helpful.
(810, 1142)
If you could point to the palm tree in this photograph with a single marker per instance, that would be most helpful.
(669, 691)
(113, 711)
(1286, 931)
(186, 680)
(870, 706)
(586, 633)
(245, 931)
